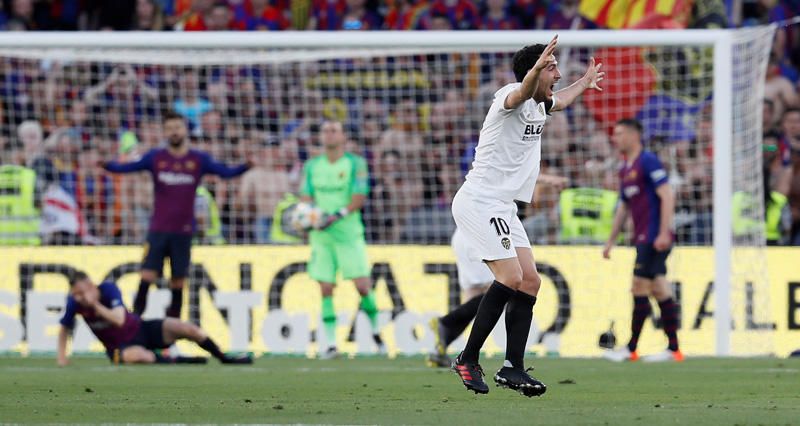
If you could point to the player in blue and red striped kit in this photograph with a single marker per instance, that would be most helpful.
(176, 172)
(125, 336)
(649, 199)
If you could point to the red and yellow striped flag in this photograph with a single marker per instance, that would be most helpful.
(617, 14)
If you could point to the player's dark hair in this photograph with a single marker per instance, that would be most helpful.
(76, 277)
(172, 115)
(631, 123)
(525, 59)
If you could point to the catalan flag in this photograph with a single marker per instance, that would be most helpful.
(617, 14)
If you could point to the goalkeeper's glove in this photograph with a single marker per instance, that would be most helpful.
(330, 219)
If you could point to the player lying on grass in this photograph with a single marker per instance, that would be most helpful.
(126, 337)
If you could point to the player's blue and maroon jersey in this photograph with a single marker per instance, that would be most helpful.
(110, 336)
(175, 181)
(638, 183)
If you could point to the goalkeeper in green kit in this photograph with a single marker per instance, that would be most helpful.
(337, 183)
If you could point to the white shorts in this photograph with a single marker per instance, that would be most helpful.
(471, 273)
(491, 229)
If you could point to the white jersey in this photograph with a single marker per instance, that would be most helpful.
(509, 150)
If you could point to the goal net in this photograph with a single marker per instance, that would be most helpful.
(412, 105)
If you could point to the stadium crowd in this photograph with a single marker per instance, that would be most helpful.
(417, 131)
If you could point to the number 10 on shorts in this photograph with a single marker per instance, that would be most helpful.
(501, 227)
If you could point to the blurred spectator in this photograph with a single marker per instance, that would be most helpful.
(256, 200)
(530, 12)
(149, 16)
(694, 196)
(22, 16)
(31, 136)
(777, 176)
(194, 19)
(112, 15)
(219, 18)
(461, 14)
(779, 89)
(790, 126)
(327, 15)
(94, 192)
(189, 102)
(497, 16)
(392, 198)
(563, 15)
(358, 17)
(259, 15)
(405, 15)
(768, 116)
(122, 97)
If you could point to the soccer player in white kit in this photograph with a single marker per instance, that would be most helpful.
(505, 169)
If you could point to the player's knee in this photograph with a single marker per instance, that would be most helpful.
(194, 332)
(137, 355)
(531, 283)
(149, 275)
(640, 287)
(511, 279)
(326, 289)
(176, 283)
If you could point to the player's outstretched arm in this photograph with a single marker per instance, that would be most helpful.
(144, 163)
(63, 336)
(531, 80)
(210, 165)
(589, 80)
(620, 216)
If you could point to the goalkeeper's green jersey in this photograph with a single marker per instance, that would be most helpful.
(332, 185)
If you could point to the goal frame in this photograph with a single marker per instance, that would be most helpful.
(721, 40)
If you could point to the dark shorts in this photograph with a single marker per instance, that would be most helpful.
(161, 245)
(650, 262)
(150, 336)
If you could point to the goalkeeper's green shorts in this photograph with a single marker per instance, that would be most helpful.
(329, 257)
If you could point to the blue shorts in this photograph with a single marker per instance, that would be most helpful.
(161, 245)
(650, 262)
(150, 336)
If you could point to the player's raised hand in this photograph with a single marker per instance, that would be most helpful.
(593, 75)
(546, 58)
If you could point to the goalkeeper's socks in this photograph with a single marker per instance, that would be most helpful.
(641, 310)
(212, 348)
(176, 303)
(519, 315)
(489, 311)
(140, 302)
(329, 320)
(669, 320)
(457, 320)
(370, 308)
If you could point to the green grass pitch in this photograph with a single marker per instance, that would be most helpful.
(399, 391)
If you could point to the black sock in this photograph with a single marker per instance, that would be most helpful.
(669, 320)
(489, 311)
(641, 310)
(211, 348)
(519, 315)
(140, 302)
(176, 303)
(457, 320)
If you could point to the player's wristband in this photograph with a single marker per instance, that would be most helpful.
(343, 212)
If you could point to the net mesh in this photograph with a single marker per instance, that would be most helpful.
(415, 115)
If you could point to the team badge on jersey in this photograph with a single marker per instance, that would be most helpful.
(190, 165)
(506, 243)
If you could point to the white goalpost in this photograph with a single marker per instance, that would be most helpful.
(269, 90)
